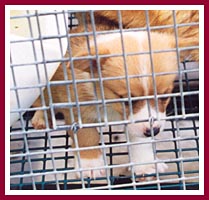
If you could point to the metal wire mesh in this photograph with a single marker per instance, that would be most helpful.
(44, 159)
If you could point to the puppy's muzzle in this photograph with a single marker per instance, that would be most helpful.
(148, 132)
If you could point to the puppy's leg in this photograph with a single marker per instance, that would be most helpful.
(38, 120)
(143, 153)
(88, 137)
(58, 95)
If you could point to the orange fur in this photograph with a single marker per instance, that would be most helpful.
(115, 67)
(113, 89)
(189, 35)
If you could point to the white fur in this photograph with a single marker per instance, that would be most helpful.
(90, 163)
(111, 37)
(144, 153)
(138, 129)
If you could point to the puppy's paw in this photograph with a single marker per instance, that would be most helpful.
(161, 167)
(143, 170)
(87, 163)
(38, 121)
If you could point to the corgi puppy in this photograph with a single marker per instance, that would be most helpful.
(114, 77)
(186, 21)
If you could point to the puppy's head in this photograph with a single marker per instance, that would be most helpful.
(137, 83)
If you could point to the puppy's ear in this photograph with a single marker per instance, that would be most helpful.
(86, 57)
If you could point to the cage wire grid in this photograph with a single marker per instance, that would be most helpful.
(43, 159)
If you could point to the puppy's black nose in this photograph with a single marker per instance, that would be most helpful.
(148, 132)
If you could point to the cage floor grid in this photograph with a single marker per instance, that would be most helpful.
(43, 168)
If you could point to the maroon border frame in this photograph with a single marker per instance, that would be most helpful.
(93, 2)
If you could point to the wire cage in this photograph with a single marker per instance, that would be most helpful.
(44, 159)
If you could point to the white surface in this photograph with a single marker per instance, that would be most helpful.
(22, 53)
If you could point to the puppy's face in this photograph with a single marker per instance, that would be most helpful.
(137, 82)
(144, 102)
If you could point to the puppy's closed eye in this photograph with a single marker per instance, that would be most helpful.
(126, 102)
(164, 99)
